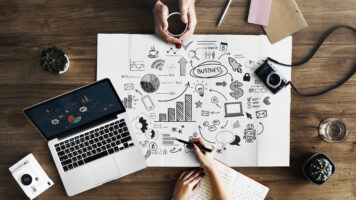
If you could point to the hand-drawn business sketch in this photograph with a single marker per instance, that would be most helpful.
(206, 89)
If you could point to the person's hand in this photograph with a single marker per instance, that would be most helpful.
(187, 185)
(187, 10)
(206, 159)
(160, 14)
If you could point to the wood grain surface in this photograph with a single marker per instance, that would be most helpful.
(28, 26)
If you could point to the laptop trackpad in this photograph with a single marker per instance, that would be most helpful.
(104, 170)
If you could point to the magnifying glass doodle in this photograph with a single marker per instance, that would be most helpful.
(193, 54)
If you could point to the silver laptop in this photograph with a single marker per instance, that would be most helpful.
(89, 135)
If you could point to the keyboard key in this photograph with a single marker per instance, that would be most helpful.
(118, 142)
(112, 124)
(61, 153)
(98, 150)
(116, 149)
(75, 164)
(118, 137)
(93, 151)
(63, 147)
(121, 148)
(94, 157)
(125, 129)
(106, 130)
(111, 129)
(58, 149)
(95, 146)
(79, 157)
(116, 126)
(71, 139)
(122, 124)
(70, 166)
(120, 130)
(131, 144)
(108, 146)
(74, 159)
(65, 157)
(125, 134)
(65, 168)
(125, 139)
(80, 162)
(89, 153)
(66, 151)
(66, 162)
(111, 151)
(122, 120)
(126, 145)
(99, 144)
(113, 144)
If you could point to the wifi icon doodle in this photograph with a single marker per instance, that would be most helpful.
(158, 64)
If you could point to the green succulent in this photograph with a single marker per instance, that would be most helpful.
(53, 60)
(320, 169)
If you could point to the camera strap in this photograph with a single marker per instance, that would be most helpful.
(316, 48)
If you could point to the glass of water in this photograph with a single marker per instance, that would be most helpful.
(333, 130)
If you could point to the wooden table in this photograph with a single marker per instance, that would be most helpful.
(28, 26)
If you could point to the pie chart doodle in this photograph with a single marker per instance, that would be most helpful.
(150, 83)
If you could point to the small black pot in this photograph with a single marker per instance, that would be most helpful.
(307, 162)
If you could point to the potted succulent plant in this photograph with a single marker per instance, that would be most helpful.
(318, 168)
(54, 60)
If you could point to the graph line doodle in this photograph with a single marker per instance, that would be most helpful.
(187, 85)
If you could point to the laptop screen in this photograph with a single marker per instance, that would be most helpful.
(74, 109)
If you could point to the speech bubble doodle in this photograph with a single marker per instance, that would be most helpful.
(225, 137)
(209, 69)
(236, 141)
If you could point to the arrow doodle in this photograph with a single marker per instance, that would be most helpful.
(174, 150)
(182, 62)
(221, 83)
(138, 92)
(232, 78)
(224, 54)
(187, 86)
(199, 127)
(211, 90)
(225, 124)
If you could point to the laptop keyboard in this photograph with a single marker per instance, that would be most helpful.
(94, 144)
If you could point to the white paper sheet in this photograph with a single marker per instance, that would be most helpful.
(182, 93)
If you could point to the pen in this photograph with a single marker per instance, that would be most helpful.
(224, 12)
(201, 147)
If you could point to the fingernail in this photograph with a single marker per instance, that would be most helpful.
(178, 45)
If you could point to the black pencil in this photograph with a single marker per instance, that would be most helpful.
(201, 147)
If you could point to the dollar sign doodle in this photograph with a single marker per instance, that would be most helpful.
(237, 91)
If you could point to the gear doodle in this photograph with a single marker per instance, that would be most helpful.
(153, 134)
(143, 123)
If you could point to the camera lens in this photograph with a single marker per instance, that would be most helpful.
(26, 179)
(274, 79)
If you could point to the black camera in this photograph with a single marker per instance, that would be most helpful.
(270, 77)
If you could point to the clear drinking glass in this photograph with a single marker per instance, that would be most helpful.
(333, 130)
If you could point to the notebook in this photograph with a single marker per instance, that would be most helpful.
(241, 186)
(284, 20)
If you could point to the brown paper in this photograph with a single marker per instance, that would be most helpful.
(284, 20)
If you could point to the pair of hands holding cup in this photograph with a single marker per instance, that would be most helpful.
(160, 15)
